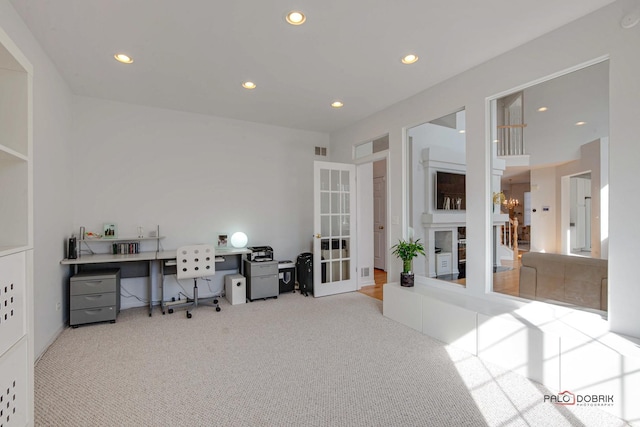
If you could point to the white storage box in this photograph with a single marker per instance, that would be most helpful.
(235, 289)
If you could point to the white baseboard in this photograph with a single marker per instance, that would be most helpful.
(53, 338)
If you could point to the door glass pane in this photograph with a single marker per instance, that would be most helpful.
(335, 254)
(325, 254)
(345, 181)
(345, 269)
(335, 271)
(325, 266)
(324, 226)
(335, 203)
(324, 203)
(324, 179)
(335, 180)
(346, 226)
(346, 199)
(344, 246)
(335, 225)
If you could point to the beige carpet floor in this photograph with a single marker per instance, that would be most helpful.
(291, 361)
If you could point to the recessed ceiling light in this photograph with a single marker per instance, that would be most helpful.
(461, 131)
(409, 59)
(580, 123)
(249, 85)
(542, 109)
(337, 104)
(496, 140)
(121, 57)
(295, 18)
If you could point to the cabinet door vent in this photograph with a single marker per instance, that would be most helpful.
(8, 405)
(321, 151)
(364, 272)
(7, 302)
(12, 301)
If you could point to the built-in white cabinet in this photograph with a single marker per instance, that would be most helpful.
(16, 237)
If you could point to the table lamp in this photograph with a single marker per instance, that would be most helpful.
(239, 239)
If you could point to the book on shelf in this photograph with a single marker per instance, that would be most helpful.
(125, 248)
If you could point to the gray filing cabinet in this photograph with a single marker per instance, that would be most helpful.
(94, 297)
(262, 279)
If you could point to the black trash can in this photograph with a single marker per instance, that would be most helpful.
(287, 276)
(304, 271)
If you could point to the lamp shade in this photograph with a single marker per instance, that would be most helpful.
(239, 239)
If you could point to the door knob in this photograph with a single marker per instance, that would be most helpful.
(381, 227)
(317, 236)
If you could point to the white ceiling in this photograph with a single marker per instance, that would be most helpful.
(193, 55)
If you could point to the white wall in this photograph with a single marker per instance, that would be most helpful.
(193, 175)
(596, 35)
(545, 195)
(52, 180)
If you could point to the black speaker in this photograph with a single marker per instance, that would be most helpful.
(72, 248)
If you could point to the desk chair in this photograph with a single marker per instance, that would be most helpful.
(194, 262)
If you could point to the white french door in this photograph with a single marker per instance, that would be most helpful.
(334, 245)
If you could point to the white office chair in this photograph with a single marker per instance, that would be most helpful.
(194, 262)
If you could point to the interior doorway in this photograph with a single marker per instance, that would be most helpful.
(380, 215)
(580, 214)
(372, 189)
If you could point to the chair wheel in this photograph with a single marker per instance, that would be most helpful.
(188, 315)
(215, 301)
(218, 308)
(171, 311)
(276, 297)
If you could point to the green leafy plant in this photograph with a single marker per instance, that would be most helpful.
(407, 250)
(498, 198)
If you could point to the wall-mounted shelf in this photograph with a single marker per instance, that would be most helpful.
(120, 239)
(119, 244)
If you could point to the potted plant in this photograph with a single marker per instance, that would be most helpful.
(498, 200)
(407, 250)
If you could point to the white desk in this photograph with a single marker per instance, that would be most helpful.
(106, 258)
(219, 252)
(152, 257)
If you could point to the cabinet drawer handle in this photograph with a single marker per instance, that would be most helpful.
(93, 282)
(93, 297)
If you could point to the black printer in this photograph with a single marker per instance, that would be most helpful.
(260, 253)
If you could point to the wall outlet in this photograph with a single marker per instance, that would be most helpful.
(58, 306)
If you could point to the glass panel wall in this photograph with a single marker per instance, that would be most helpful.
(437, 196)
(549, 185)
